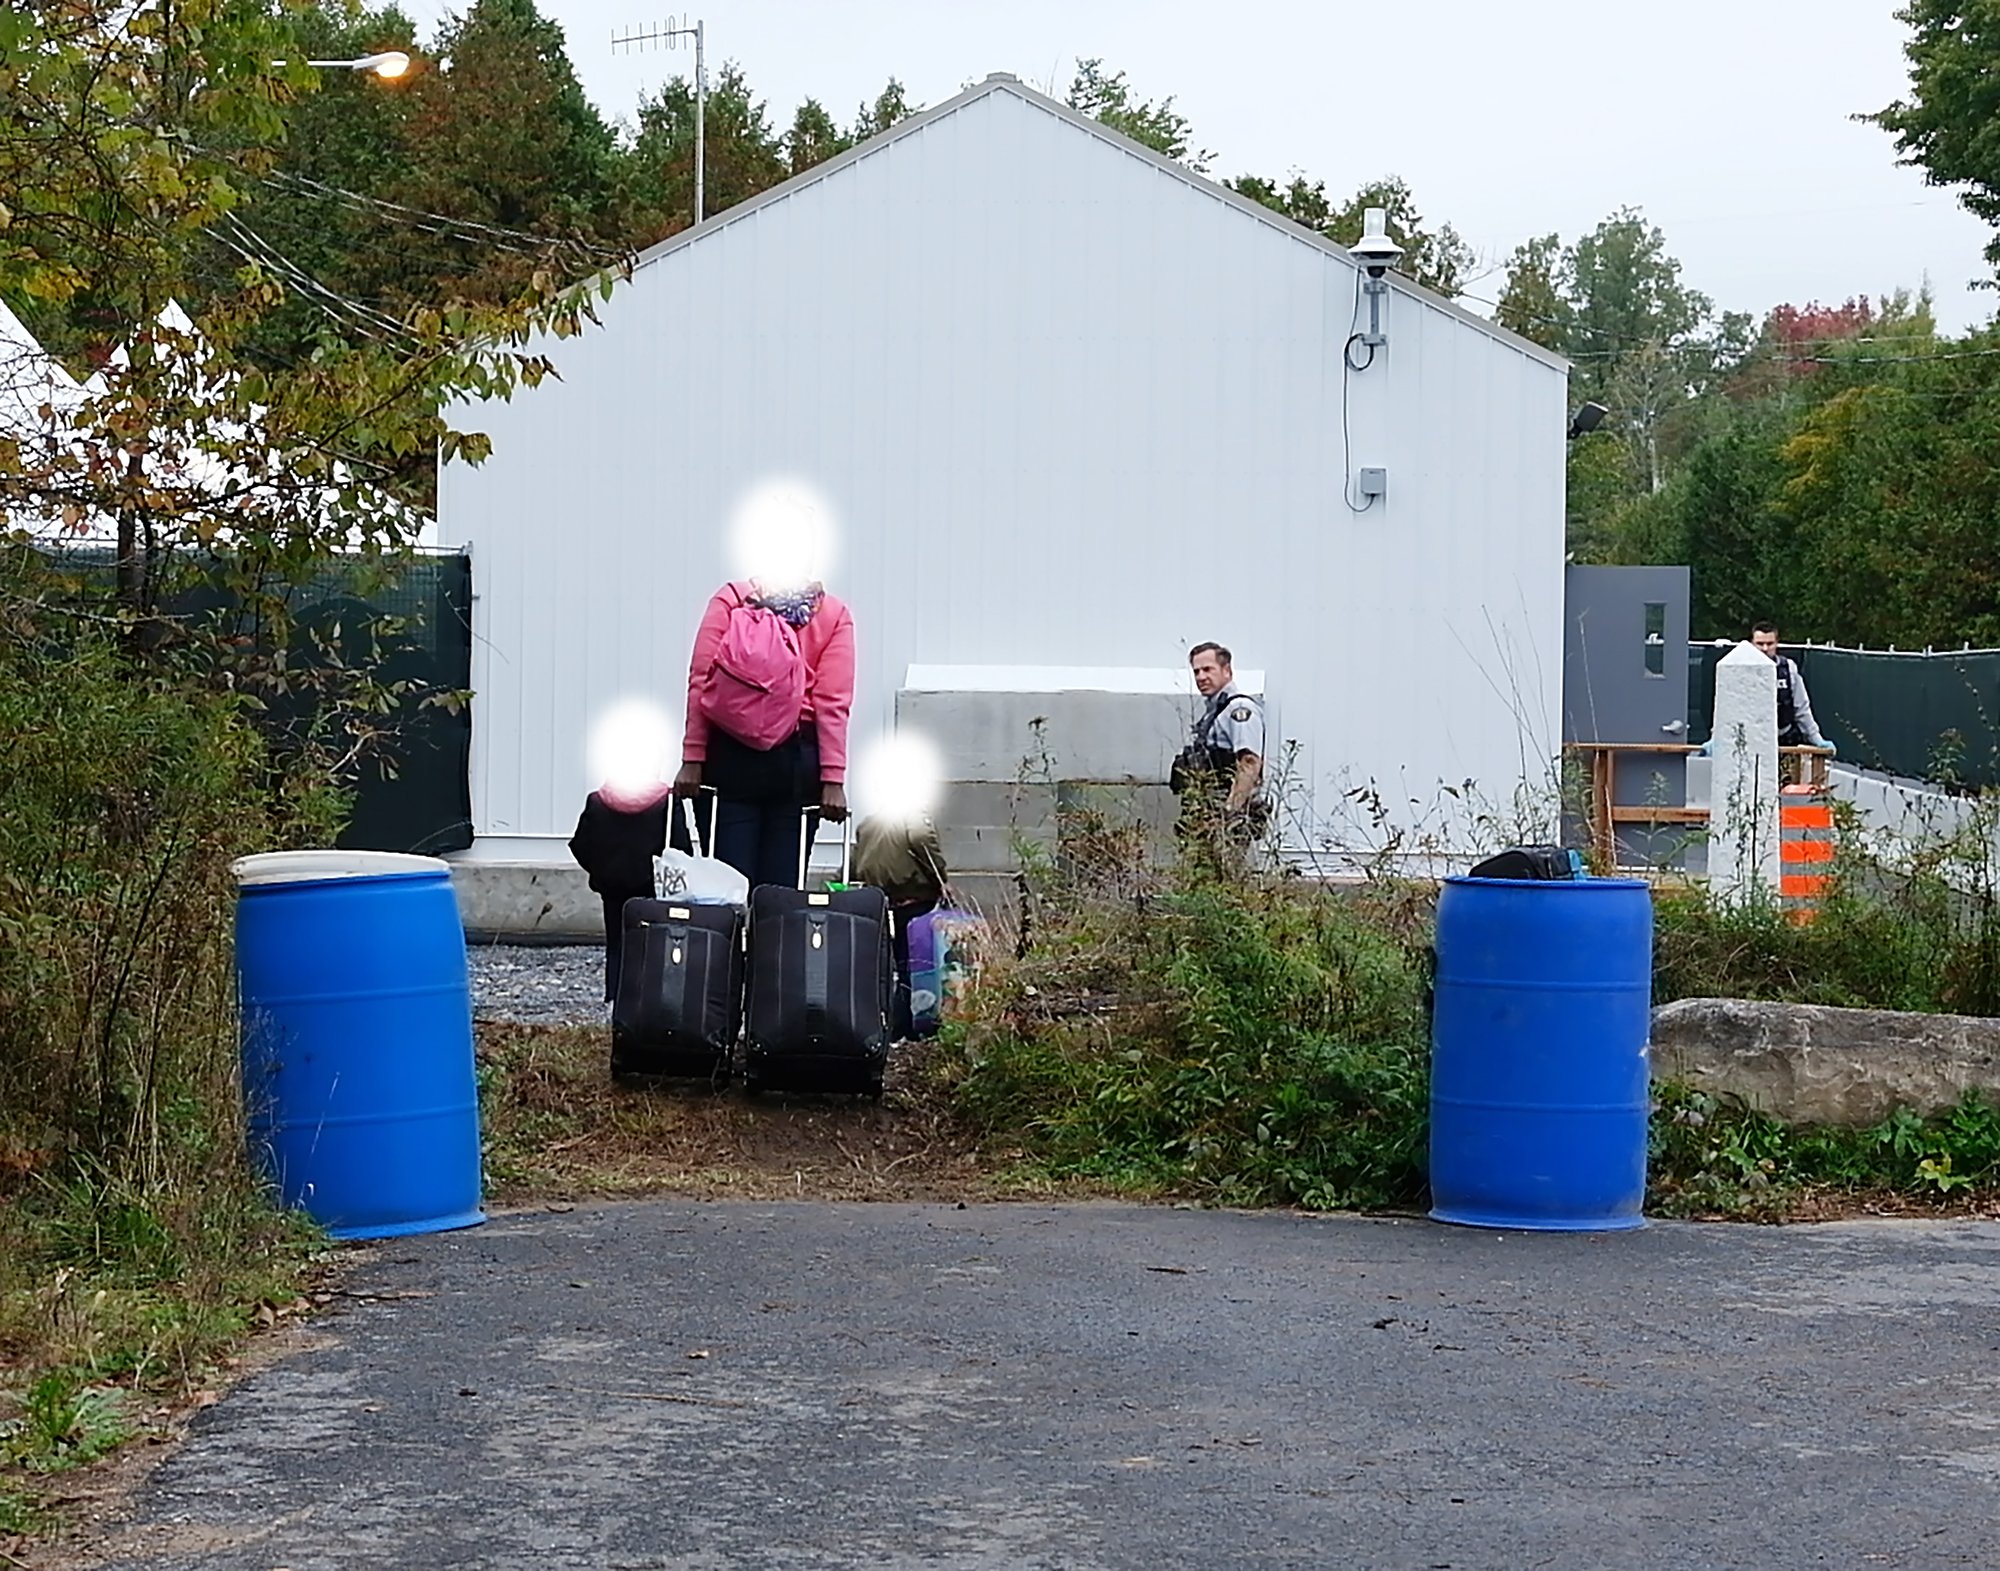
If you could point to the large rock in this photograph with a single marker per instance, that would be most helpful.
(1808, 1064)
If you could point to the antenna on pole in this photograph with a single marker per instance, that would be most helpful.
(669, 33)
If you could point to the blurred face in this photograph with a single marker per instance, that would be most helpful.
(781, 537)
(1211, 676)
(1767, 644)
(631, 746)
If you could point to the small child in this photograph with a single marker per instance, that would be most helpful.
(620, 831)
(901, 857)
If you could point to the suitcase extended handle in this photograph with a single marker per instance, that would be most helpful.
(694, 824)
(846, 847)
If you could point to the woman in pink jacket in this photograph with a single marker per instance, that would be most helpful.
(760, 792)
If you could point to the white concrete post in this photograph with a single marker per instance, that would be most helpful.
(1743, 790)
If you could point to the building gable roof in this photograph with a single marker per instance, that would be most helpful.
(1003, 83)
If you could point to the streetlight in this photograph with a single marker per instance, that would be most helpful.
(390, 64)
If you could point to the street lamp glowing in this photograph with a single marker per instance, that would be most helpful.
(390, 64)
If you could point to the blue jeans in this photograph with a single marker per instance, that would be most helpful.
(761, 839)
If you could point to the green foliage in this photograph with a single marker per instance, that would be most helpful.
(1531, 302)
(124, 800)
(1251, 1045)
(1642, 343)
(1109, 98)
(1922, 936)
(891, 106)
(1438, 258)
(1854, 503)
(743, 155)
(65, 1423)
(134, 1240)
(1946, 123)
(1709, 1155)
(813, 138)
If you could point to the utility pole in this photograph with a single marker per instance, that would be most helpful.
(670, 32)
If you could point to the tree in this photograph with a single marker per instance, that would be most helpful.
(813, 138)
(1436, 258)
(743, 155)
(499, 134)
(1109, 99)
(1532, 303)
(135, 134)
(1946, 123)
(1624, 296)
(891, 105)
(310, 219)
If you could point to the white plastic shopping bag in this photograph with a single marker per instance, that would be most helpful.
(699, 879)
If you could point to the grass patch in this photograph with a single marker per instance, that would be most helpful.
(115, 1306)
(1240, 1043)
(1919, 934)
(1710, 1157)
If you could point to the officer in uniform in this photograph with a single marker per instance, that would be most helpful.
(1219, 775)
(1796, 725)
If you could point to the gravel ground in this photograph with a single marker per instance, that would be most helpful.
(538, 984)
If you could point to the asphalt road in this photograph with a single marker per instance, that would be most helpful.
(706, 1387)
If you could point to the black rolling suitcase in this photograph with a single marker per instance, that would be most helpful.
(680, 989)
(822, 982)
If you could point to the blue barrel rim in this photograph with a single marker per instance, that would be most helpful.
(361, 1232)
(344, 880)
(1572, 884)
(1495, 1222)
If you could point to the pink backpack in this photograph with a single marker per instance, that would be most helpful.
(757, 685)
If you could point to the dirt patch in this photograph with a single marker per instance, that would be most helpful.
(1836, 1205)
(559, 1128)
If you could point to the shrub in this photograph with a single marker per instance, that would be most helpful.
(1253, 1045)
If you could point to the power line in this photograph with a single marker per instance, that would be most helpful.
(421, 218)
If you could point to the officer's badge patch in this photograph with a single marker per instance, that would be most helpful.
(1240, 712)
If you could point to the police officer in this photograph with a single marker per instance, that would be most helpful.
(1221, 770)
(1796, 726)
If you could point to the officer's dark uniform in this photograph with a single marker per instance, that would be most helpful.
(1230, 723)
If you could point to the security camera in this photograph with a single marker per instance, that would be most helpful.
(1375, 250)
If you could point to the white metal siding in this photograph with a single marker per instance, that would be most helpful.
(1071, 409)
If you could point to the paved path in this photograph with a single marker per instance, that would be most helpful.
(719, 1386)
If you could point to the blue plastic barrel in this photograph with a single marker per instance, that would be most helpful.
(1539, 1076)
(357, 1040)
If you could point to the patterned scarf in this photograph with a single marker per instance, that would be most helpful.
(795, 607)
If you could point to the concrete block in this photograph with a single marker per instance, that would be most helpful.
(536, 900)
(1081, 736)
(1809, 1064)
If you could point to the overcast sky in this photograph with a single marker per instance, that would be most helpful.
(1726, 121)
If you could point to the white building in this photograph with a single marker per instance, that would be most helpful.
(1073, 405)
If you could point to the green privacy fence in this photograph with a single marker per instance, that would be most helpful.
(416, 622)
(1929, 716)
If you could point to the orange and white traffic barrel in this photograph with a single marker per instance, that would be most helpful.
(1805, 850)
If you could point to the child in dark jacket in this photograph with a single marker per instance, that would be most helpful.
(617, 836)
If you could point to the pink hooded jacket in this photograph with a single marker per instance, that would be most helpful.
(827, 645)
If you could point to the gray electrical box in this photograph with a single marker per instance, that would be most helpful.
(1373, 482)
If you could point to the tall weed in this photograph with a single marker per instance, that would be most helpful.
(133, 1237)
(1251, 1043)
